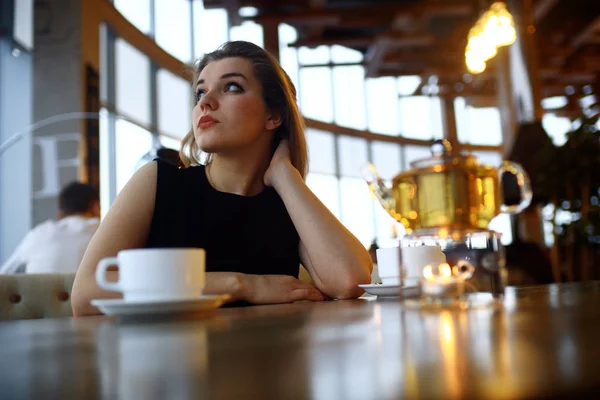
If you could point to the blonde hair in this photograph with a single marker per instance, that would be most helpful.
(279, 95)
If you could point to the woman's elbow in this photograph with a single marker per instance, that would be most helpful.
(348, 288)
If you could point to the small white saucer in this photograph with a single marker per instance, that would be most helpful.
(383, 290)
(120, 307)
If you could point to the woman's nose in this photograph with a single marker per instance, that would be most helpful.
(208, 101)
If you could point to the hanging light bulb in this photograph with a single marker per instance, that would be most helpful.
(505, 32)
(475, 65)
(494, 29)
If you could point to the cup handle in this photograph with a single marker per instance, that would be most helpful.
(522, 181)
(101, 274)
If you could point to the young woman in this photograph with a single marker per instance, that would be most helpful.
(248, 206)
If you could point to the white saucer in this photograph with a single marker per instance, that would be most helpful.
(120, 307)
(383, 290)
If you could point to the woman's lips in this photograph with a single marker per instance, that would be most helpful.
(206, 122)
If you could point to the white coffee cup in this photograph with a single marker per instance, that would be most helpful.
(155, 274)
(388, 265)
(417, 257)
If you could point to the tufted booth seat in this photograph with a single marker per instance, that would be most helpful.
(30, 296)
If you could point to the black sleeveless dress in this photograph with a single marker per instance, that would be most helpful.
(247, 234)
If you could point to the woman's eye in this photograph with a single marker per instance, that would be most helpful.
(233, 87)
(199, 94)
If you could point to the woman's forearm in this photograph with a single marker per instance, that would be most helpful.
(337, 261)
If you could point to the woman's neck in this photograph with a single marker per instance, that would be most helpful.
(241, 175)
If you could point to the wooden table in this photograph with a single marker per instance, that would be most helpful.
(545, 342)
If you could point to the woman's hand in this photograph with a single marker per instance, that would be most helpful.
(279, 164)
(273, 289)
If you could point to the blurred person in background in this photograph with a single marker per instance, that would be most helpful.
(57, 246)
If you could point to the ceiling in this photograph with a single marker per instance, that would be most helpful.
(428, 37)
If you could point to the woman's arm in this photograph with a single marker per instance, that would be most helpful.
(335, 259)
(127, 226)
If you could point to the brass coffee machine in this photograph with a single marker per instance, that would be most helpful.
(448, 200)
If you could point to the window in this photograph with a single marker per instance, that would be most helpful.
(386, 158)
(349, 96)
(321, 151)
(210, 29)
(248, 31)
(132, 82)
(319, 55)
(105, 165)
(413, 153)
(557, 128)
(382, 105)
(325, 187)
(421, 117)
(353, 155)
(341, 54)
(173, 31)
(169, 142)
(174, 104)
(315, 93)
(477, 125)
(132, 143)
(489, 158)
(357, 209)
(137, 12)
(288, 56)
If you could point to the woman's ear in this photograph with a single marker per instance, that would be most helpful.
(274, 121)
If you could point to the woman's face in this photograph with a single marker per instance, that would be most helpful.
(230, 113)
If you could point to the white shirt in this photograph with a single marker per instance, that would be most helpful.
(53, 246)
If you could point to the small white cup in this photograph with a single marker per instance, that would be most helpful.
(388, 265)
(155, 274)
(417, 257)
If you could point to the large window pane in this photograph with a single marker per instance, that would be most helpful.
(211, 29)
(319, 55)
(248, 31)
(408, 84)
(174, 104)
(413, 153)
(132, 82)
(288, 56)
(137, 12)
(421, 117)
(105, 166)
(325, 187)
(341, 54)
(169, 142)
(349, 95)
(502, 223)
(357, 209)
(388, 230)
(353, 155)
(557, 128)
(489, 157)
(316, 98)
(382, 105)
(386, 157)
(477, 125)
(132, 143)
(321, 151)
(173, 33)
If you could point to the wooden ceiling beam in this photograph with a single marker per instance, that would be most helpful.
(400, 39)
(542, 8)
(307, 17)
(358, 41)
(586, 33)
(431, 9)
(375, 55)
(233, 13)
